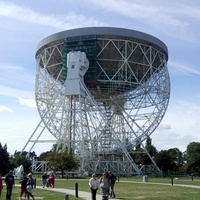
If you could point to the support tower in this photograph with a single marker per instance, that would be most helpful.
(101, 91)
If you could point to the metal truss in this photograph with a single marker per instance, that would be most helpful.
(116, 113)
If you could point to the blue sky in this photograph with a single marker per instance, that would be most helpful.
(23, 24)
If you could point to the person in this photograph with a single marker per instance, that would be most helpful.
(44, 179)
(29, 187)
(23, 182)
(104, 183)
(93, 183)
(1, 184)
(52, 180)
(112, 178)
(108, 176)
(10, 182)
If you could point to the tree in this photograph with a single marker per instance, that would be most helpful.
(140, 155)
(4, 159)
(151, 150)
(20, 159)
(43, 156)
(59, 147)
(164, 161)
(177, 160)
(193, 157)
(31, 155)
(62, 161)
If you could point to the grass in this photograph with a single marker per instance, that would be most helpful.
(127, 189)
(45, 194)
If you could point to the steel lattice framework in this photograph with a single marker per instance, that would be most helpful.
(125, 94)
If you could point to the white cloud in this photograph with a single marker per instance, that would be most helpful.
(164, 140)
(13, 74)
(27, 102)
(160, 16)
(69, 20)
(12, 92)
(164, 126)
(4, 108)
(183, 67)
(192, 110)
(16, 81)
(170, 16)
(187, 104)
(9, 67)
(25, 23)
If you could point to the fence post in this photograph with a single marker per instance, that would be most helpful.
(76, 189)
(66, 197)
(171, 180)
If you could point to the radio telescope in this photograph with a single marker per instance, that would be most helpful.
(101, 91)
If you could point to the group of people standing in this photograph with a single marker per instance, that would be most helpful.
(106, 183)
(27, 183)
(48, 181)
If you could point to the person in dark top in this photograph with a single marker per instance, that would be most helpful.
(23, 186)
(44, 179)
(10, 181)
(112, 178)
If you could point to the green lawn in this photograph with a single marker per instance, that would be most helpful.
(44, 194)
(127, 189)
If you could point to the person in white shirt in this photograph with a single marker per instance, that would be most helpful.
(93, 183)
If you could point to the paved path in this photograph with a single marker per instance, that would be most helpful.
(87, 195)
(81, 194)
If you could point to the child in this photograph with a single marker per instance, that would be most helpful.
(23, 186)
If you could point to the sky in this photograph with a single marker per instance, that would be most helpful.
(23, 24)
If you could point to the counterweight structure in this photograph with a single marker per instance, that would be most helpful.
(101, 91)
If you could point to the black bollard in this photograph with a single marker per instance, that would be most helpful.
(35, 183)
(66, 197)
(192, 177)
(171, 180)
(76, 189)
